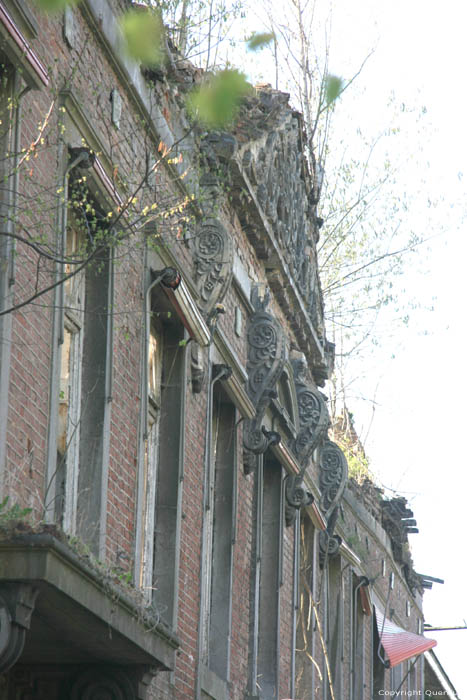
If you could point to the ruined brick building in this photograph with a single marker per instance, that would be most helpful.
(178, 522)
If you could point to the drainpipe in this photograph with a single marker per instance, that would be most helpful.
(215, 374)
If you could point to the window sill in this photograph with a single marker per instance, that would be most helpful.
(213, 686)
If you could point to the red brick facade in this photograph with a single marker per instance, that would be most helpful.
(132, 504)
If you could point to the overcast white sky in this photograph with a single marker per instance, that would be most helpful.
(417, 438)
(416, 442)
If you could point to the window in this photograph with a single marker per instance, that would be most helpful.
(162, 459)
(378, 665)
(412, 682)
(334, 625)
(85, 376)
(69, 414)
(220, 534)
(305, 669)
(358, 641)
(396, 676)
(270, 523)
(151, 449)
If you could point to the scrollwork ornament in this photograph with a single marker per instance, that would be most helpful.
(258, 441)
(329, 546)
(333, 475)
(213, 259)
(283, 193)
(297, 496)
(265, 364)
(312, 413)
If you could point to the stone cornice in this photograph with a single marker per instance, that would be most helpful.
(279, 279)
(67, 581)
(102, 19)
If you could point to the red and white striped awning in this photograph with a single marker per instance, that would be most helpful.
(398, 644)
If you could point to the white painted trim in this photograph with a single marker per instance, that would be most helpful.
(189, 313)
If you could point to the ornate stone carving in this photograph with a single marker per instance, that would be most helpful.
(328, 546)
(332, 479)
(17, 603)
(278, 170)
(213, 259)
(313, 421)
(312, 411)
(322, 371)
(296, 497)
(219, 147)
(266, 360)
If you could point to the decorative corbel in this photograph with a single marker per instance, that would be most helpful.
(213, 246)
(17, 601)
(218, 149)
(213, 259)
(313, 422)
(333, 473)
(265, 364)
(312, 412)
(296, 497)
(323, 370)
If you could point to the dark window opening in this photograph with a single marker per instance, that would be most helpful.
(223, 503)
(270, 564)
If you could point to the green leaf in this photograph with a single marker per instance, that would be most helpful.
(216, 102)
(143, 32)
(334, 86)
(259, 40)
(54, 5)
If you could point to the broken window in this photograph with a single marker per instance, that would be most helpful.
(162, 461)
(271, 527)
(305, 652)
(151, 452)
(86, 356)
(358, 640)
(68, 431)
(220, 536)
(378, 663)
(396, 676)
(334, 621)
